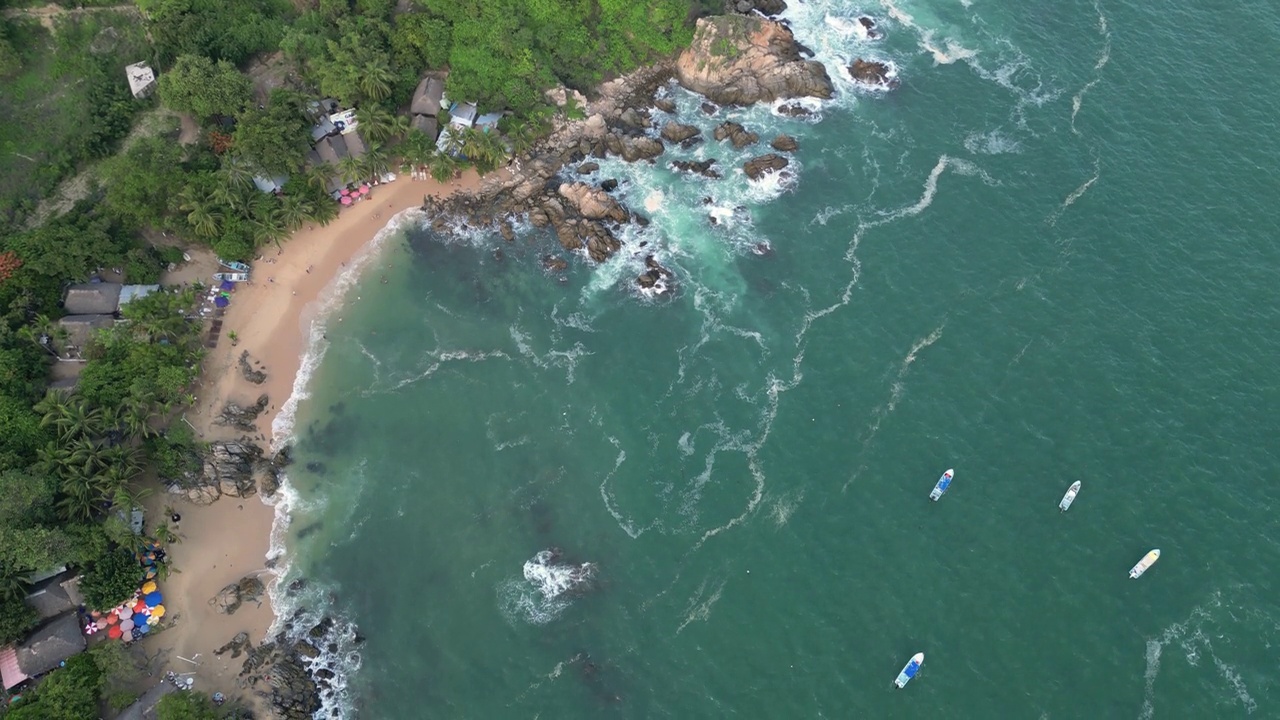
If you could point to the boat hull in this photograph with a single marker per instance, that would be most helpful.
(909, 670)
(943, 484)
(1070, 497)
(1144, 564)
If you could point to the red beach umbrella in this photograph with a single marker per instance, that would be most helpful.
(114, 632)
(112, 619)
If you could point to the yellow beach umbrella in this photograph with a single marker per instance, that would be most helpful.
(148, 587)
(157, 611)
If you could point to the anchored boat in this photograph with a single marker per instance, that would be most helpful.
(1144, 564)
(234, 265)
(944, 482)
(231, 277)
(909, 670)
(1070, 497)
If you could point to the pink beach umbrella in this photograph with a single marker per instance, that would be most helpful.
(125, 612)
(346, 200)
(364, 189)
(101, 624)
(126, 624)
(127, 636)
(346, 191)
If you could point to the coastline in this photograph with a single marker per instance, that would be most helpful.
(234, 537)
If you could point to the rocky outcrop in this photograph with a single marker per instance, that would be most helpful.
(292, 672)
(678, 132)
(784, 143)
(869, 27)
(873, 72)
(739, 60)
(632, 149)
(600, 244)
(242, 418)
(592, 203)
(757, 167)
(250, 373)
(231, 597)
(554, 264)
(666, 105)
(702, 168)
(794, 110)
(232, 467)
(736, 134)
(587, 168)
(654, 275)
(764, 7)
(236, 646)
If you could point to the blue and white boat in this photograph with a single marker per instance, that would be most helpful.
(234, 265)
(944, 482)
(909, 671)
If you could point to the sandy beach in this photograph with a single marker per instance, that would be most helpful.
(271, 316)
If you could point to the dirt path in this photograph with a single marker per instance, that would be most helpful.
(47, 14)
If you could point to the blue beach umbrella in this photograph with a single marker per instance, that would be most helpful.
(221, 301)
(227, 285)
(141, 629)
(153, 599)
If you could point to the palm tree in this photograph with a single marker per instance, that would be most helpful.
(236, 174)
(483, 148)
(235, 199)
(73, 418)
(317, 178)
(84, 459)
(375, 79)
(443, 166)
(374, 122)
(268, 226)
(202, 215)
(376, 162)
(417, 148)
(41, 332)
(322, 209)
(78, 501)
(293, 211)
(351, 169)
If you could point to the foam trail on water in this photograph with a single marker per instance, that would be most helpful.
(895, 392)
(699, 607)
(1077, 193)
(1103, 58)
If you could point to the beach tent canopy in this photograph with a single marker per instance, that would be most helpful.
(226, 285)
(221, 301)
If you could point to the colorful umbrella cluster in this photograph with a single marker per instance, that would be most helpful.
(132, 618)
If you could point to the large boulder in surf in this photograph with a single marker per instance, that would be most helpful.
(736, 134)
(678, 132)
(757, 167)
(699, 167)
(231, 467)
(592, 203)
(785, 143)
(740, 60)
(873, 72)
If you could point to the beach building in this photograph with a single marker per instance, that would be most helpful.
(92, 299)
(270, 184)
(75, 332)
(463, 114)
(142, 79)
(428, 96)
(488, 121)
(42, 651)
(56, 595)
(355, 144)
(428, 126)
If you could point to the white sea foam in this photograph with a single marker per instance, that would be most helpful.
(1076, 194)
(699, 607)
(546, 588)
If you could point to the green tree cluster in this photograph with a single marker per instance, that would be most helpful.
(198, 85)
(69, 693)
(231, 30)
(186, 706)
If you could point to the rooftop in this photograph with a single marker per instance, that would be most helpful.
(50, 644)
(93, 299)
(141, 78)
(426, 99)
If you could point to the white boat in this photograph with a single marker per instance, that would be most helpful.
(232, 277)
(944, 482)
(909, 670)
(234, 265)
(1070, 497)
(1144, 564)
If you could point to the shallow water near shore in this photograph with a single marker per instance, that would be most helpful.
(1048, 256)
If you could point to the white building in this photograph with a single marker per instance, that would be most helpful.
(142, 79)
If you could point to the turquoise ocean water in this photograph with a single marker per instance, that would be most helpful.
(1049, 256)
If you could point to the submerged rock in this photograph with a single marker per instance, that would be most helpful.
(739, 60)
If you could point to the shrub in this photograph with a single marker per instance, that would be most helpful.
(111, 580)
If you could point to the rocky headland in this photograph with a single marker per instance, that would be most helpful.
(734, 60)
